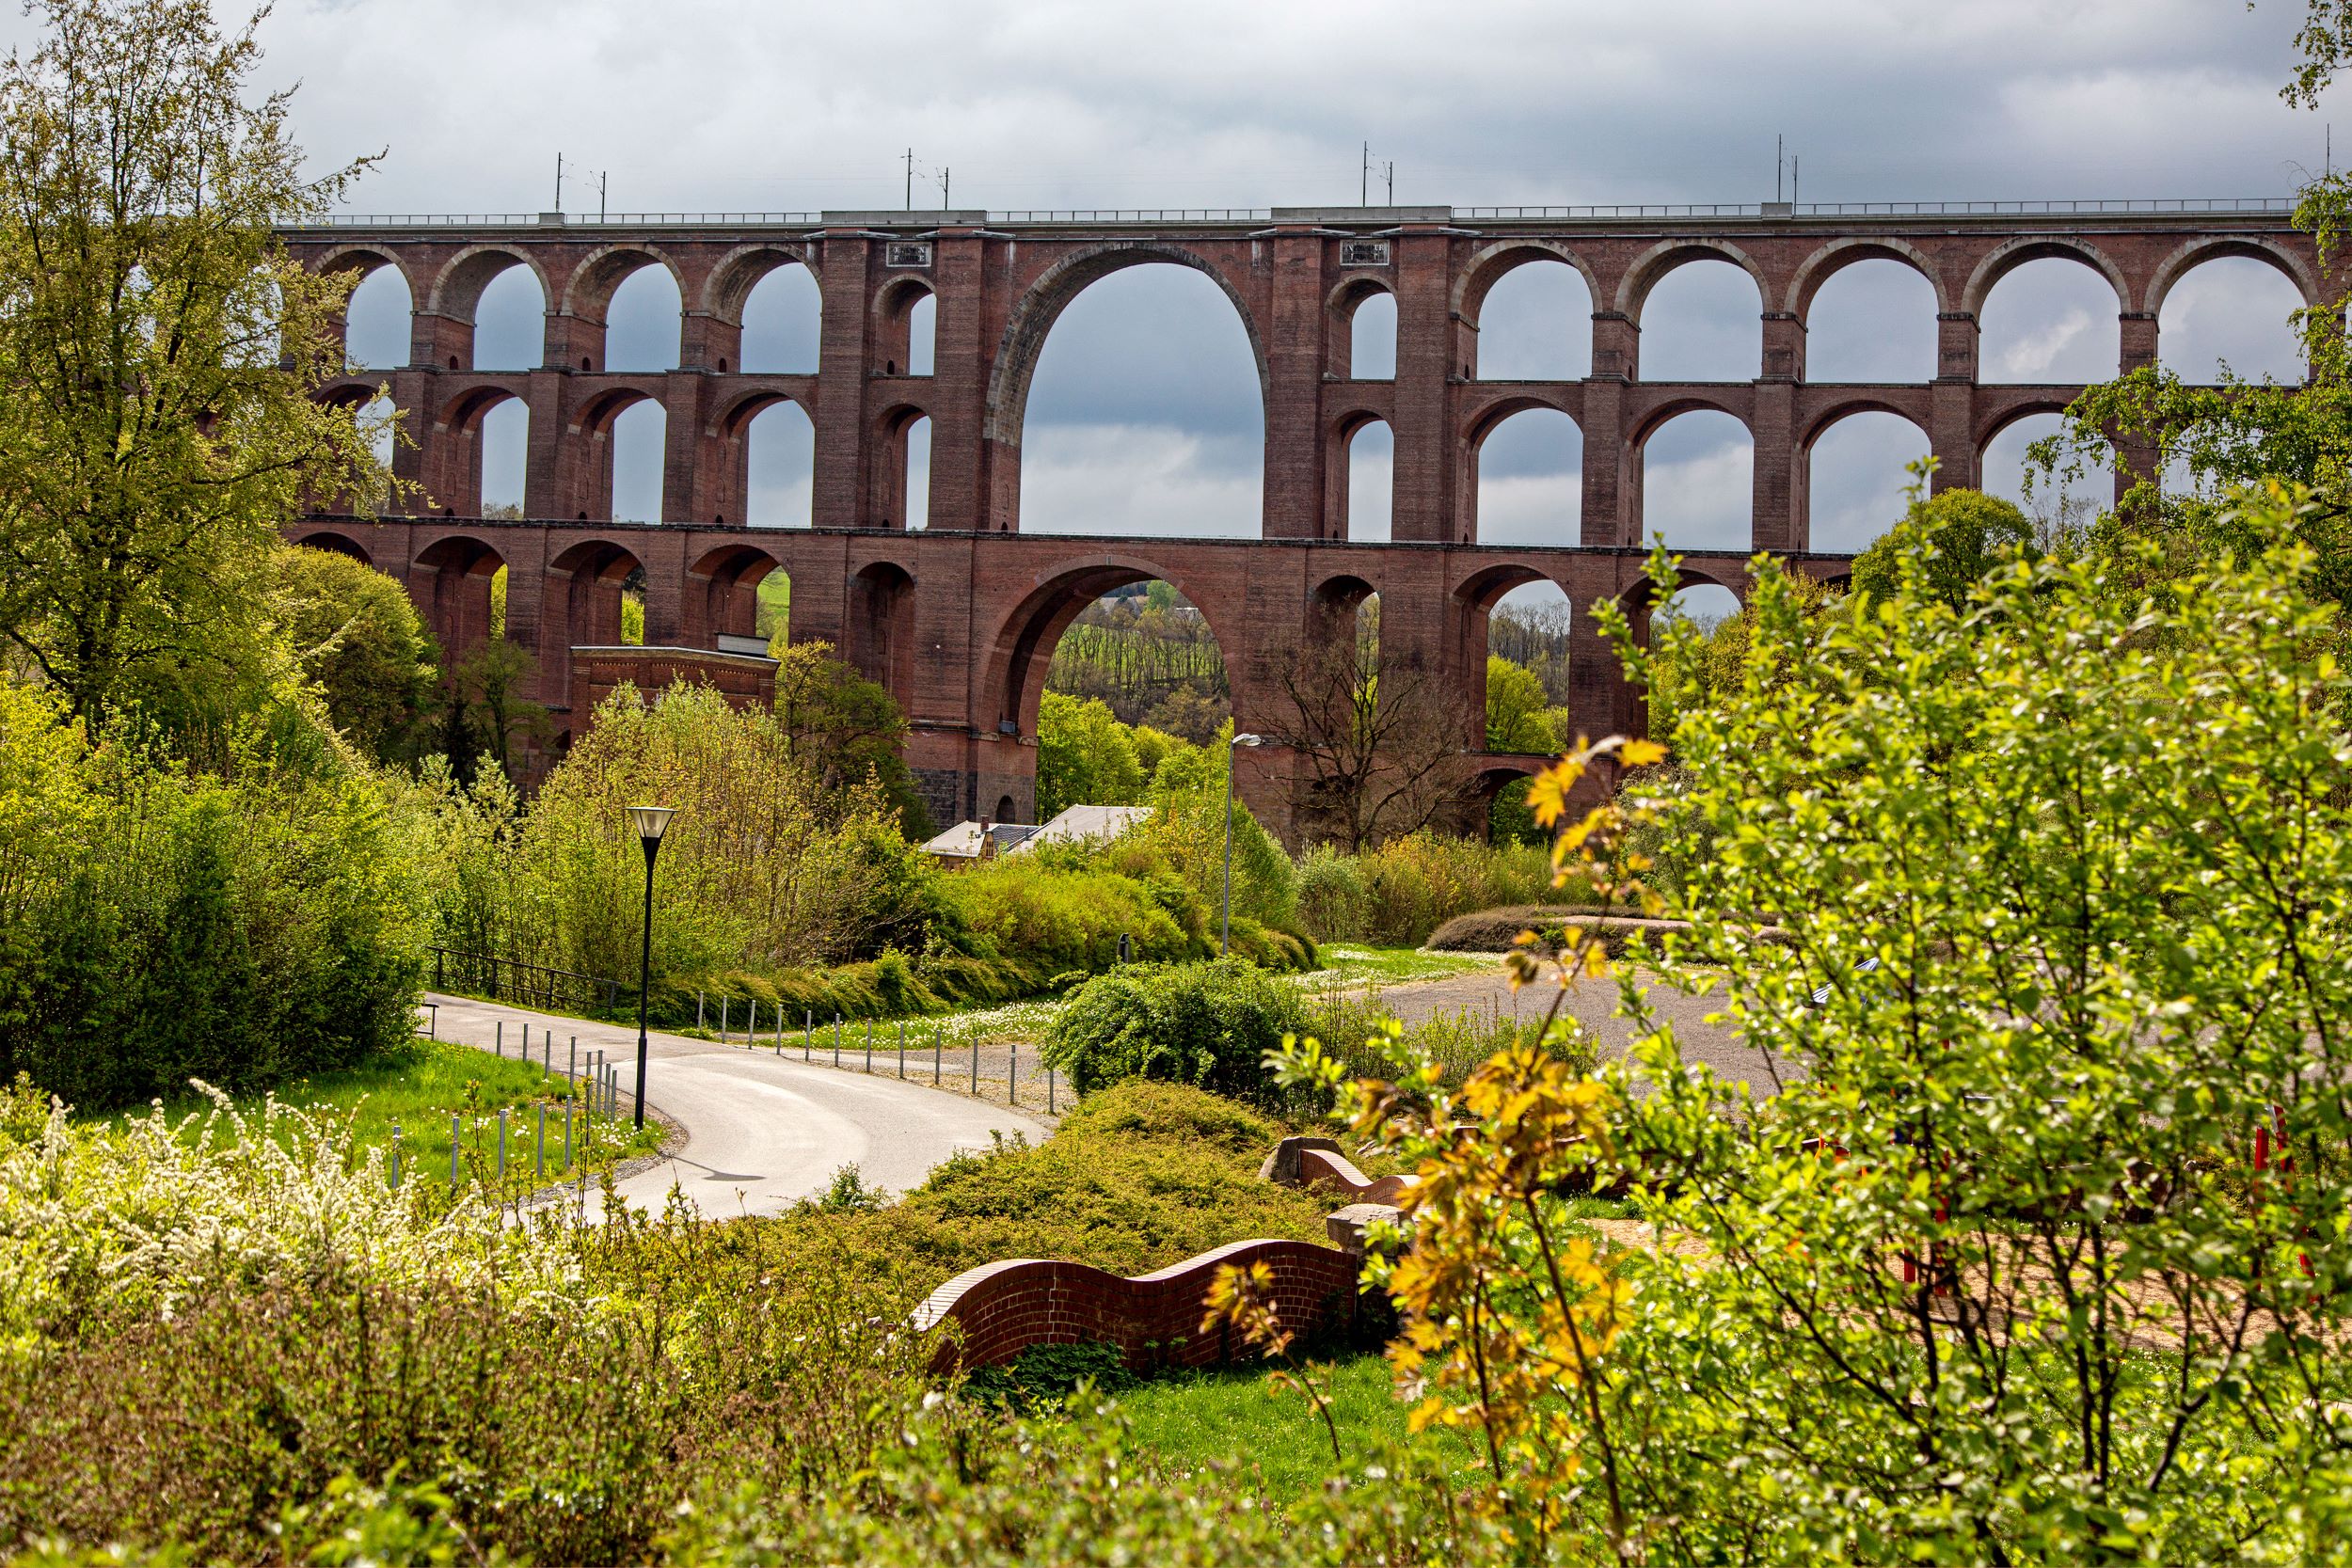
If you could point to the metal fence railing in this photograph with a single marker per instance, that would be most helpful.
(511, 981)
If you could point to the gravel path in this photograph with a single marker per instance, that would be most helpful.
(1595, 1002)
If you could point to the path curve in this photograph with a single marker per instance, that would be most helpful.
(761, 1131)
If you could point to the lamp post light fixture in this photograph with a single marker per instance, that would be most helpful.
(1225, 904)
(651, 823)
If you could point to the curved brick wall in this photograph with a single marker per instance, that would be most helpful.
(1324, 1171)
(1006, 1307)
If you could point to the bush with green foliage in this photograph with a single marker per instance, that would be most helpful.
(160, 922)
(1206, 1025)
(357, 637)
(1401, 890)
(1944, 543)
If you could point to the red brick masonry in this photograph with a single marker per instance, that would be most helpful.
(1155, 1318)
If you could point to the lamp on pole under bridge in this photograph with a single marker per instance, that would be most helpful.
(651, 823)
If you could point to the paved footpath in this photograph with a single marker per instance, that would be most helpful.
(761, 1131)
(1595, 1002)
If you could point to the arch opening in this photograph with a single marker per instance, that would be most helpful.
(1371, 479)
(1872, 321)
(2233, 314)
(779, 466)
(1702, 320)
(1697, 482)
(1144, 414)
(595, 596)
(783, 323)
(1855, 477)
(1372, 338)
(458, 595)
(2061, 506)
(739, 600)
(633, 436)
(1535, 323)
(2050, 321)
(510, 321)
(644, 322)
(376, 321)
(1529, 468)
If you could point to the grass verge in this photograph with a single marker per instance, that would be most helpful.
(429, 1090)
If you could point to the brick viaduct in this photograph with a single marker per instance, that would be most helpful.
(960, 619)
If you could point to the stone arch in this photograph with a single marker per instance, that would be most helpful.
(894, 304)
(1477, 518)
(1672, 409)
(1860, 463)
(458, 287)
(2008, 414)
(886, 454)
(734, 275)
(582, 604)
(1344, 498)
(1489, 263)
(457, 474)
(1837, 255)
(1652, 265)
(1034, 314)
(594, 425)
(723, 593)
(735, 426)
(1636, 482)
(1023, 645)
(364, 259)
(1339, 306)
(1847, 408)
(2192, 254)
(2010, 255)
(331, 539)
(588, 292)
(450, 579)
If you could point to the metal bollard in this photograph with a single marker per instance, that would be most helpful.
(395, 1154)
(568, 1134)
(869, 1045)
(571, 1063)
(1012, 1072)
(902, 1048)
(1049, 1091)
(498, 1039)
(698, 1009)
(836, 1039)
(935, 1038)
(808, 1032)
(976, 1061)
(501, 1143)
(722, 1019)
(453, 1148)
(539, 1148)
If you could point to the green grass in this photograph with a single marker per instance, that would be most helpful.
(1348, 964)
(418, 1089)
(1270, 1439)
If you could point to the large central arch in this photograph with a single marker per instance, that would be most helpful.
(1033, 318)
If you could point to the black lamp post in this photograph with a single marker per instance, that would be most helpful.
(1225, 916)
(651, 821)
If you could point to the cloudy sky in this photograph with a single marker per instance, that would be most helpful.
(1146, 413)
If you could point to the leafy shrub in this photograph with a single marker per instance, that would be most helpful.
(159, 922)
(1401, 890)
(1209, 1025)
(1057, 915)
(1043, 1376)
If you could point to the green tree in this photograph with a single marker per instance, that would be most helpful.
(1958, 536)
(1987, 1270)
(357, 638)
(1085, 757)
(157, 349)
(847, 730)
(1519, 714)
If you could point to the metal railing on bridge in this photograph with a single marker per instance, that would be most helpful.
(511, 981)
